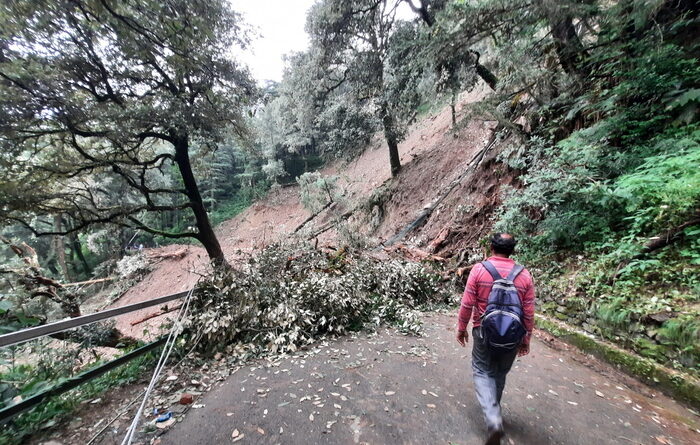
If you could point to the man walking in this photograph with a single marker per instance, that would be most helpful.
(490, 365)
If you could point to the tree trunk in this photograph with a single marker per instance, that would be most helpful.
(206, 233)
(488, 77)
(567, 45)
(77, 249)
(391, 141)
(60, 247)
(422, 11)
(483, 72)
(453, 104)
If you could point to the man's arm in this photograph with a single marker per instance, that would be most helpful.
(528, 302)
(465, 309)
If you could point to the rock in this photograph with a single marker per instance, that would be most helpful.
(167, 423)
(178, 409)
(186, 399)
(658, 318)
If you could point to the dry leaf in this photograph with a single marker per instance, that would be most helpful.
(389, 393)
(600, 394)
(261, 431)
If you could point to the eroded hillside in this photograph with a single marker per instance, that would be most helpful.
(436, 159)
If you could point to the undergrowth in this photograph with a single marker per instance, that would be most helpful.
(60, 408)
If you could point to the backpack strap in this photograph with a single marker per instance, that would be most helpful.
(492, 270)
(515, 271)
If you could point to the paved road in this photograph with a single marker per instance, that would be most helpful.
(391, 389)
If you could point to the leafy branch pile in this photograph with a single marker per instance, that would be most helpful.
(290, 295)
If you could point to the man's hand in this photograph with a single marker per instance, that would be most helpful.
(523, 349)
(462, 338)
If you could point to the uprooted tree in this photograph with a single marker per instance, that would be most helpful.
(100, 98)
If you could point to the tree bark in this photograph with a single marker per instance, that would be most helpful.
(77, 249)
(391, 141)
(422, 11)
(567, 44)
(206, 233)
(60, 247)
(488, 77)
(669, 237)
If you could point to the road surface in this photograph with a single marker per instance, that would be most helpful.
(387, 388)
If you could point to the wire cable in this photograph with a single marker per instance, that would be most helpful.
(177, 327)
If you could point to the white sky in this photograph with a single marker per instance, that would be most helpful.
(280, 24)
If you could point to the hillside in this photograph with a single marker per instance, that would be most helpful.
(433, 156)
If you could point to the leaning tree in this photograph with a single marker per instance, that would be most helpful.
(105, 95)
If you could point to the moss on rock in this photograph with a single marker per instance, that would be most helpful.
(678, 385)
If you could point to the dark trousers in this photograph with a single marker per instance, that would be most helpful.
(489, 371)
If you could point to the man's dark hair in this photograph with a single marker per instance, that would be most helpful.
(503, 243)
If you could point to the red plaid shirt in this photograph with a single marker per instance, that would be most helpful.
(478, 288)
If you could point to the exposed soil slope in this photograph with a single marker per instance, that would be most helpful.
(432, 156)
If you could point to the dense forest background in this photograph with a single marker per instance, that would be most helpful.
(129, 124)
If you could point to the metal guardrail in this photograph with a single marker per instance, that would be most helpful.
(21, 336)
(12, 410)
(14, 338)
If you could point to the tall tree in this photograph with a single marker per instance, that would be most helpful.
(355, 39)
(115, 90)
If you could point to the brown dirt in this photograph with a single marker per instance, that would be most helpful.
(432, 155)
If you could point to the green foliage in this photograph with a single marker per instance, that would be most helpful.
(316, 191)
(230, 209)
(132, 90)
(665, 190)
(631, 171)
(60, 408)
(684, 331)
(290, 295)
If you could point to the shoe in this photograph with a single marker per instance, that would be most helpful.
(495, 437)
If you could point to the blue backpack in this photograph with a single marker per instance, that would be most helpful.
(502, 325)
